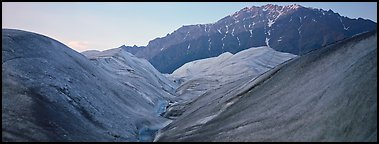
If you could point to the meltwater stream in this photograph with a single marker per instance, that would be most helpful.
(148, 133)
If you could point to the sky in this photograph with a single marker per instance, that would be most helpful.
(100, 25)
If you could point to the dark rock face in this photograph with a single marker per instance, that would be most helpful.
(329, 94)
(52, 93)
(132, 49)
(293, 29)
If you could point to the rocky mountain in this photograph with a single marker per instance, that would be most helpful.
(293, 29)
(132, 49)
(52, 93)
(261, 74)
(328, 94)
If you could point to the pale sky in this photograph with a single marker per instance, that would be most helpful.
(100, 26)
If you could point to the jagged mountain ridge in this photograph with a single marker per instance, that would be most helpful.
(288, 29)
(132, 49)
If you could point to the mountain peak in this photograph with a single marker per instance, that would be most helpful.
(273, 7)
(286, 28)
(294, 6)
(270, 8)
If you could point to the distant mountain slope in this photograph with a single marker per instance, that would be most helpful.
(293, 29)
(52, 93)
(131, 70)
(199, 76)
(329, 94)
(90, 52)
(132, 49)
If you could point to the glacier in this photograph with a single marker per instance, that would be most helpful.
(52, 93)
(329, 94)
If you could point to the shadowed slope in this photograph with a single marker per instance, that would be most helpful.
(326, 95)
(52, 93)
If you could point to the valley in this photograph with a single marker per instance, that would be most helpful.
(260, 74)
